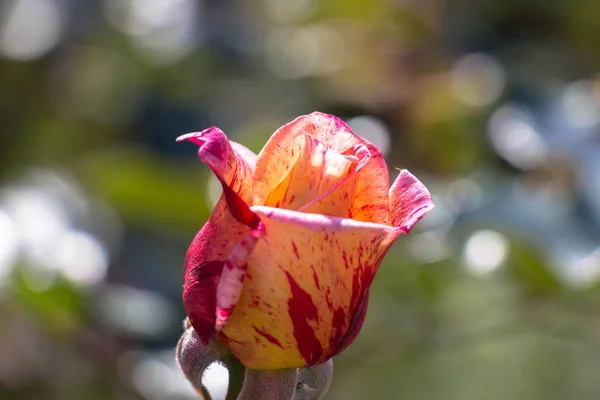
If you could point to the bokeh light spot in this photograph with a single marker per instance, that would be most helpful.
(164, 31)
(580, 106)
(156, 375)
(312, 50)
(31, 28)
(515, 138)
(478, 79)
(372, 129)
(136, 312)
(289, 11)
(8, 246)
(81, 258)
(485, 251)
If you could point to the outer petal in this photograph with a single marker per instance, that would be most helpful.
(232, 277)
(282, 152)
(409, 201)
(230, 222)
(305, 291)
(356, 324)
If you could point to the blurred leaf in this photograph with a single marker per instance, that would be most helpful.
(527, 267)
(148, 190)
(59, 308)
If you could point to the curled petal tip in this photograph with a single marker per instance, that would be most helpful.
(188, 136)
(409, 201)
(200, 137)
(214, 149)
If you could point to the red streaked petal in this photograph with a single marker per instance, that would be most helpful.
(232, 277)
(230, 222)
(356, 324)
(306, 280)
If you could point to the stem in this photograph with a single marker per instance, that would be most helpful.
(204, 393)
(269, 385)
(236, 377)
(194, 357)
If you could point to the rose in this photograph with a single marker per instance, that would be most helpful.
(280, 273)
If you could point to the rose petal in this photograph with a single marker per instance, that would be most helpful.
(306, 280)
(338, 193)
(230, 168)
(372, 181)
(232, 277)
(356, 324)
(316, 174)
(409, 201)
(230, 222)
(282, 152)
(248, 155)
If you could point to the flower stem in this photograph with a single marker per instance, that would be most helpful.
(236, 377)
(194, 357)
(269, 385)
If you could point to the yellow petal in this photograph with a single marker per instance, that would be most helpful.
(306, 281)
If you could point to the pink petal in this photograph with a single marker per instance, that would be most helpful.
(409, 201)
(230, 223)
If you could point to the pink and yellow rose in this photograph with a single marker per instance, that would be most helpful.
(280, 273)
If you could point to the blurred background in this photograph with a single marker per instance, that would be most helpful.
(495, 105)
